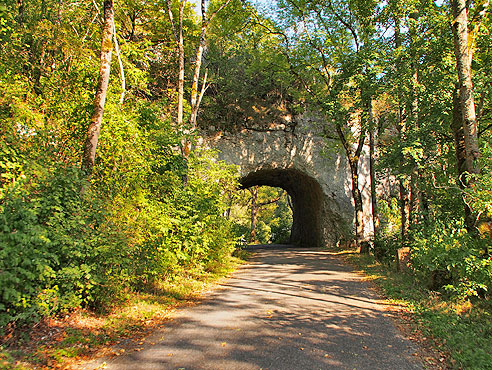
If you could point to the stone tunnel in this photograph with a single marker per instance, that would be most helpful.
(311, 168)
(307, 198)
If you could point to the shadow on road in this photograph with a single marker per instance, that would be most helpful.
(290, 308)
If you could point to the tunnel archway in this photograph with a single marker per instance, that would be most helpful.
(307, 201)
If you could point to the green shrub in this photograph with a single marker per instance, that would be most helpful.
(183, 231)
(447, 257)
(263, 232)
(134, 226)
(385, 248)
(49, 251)
(281, 224)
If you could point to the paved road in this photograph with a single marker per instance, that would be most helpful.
(287, 309)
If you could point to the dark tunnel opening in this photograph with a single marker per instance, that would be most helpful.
(307, 201)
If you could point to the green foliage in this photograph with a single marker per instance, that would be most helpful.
(390, 222)
(446, 256)
(136, 227)
(62, 249)
(252, 85)
(388, 238)
(49, 245)
(385, 248)
(274, 215)
(263, 232)
(186, 231)
(281, 222)
(481, 195)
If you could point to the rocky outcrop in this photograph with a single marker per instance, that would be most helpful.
(310, 167)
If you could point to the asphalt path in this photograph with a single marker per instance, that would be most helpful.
(288, 308)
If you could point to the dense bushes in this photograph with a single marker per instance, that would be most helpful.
(63, 249)
(134, 225)
(49, 255)
(446, 256)
(185, 232)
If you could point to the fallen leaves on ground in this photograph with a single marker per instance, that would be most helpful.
(82, 335)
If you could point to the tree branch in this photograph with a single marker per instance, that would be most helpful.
(345, 144)
(171, 19)
(218, 10)
(120, 64)
(271, 201)
(347, 25)
(484, 129)
(360, 145)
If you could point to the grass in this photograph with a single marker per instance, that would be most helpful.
(461, 331)
(58, 342)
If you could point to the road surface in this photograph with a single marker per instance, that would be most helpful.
(288, 308)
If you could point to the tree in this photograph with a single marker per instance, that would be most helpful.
(178, 36)
(256, 206)
(464, 42)
(136, 224)
(373, 131)
(195, 100)
(252, 87)
(463, 48)
(89, 155)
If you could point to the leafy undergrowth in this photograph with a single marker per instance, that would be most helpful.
(459, 331)
(60, 343)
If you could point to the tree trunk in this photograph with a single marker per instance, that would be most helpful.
(403, 212)
(133, 19)
(186, 142)
(466, 133)
(120, 64)
(362, 243)
(178, 35)
(196, 105)
(463, 56)
(59, 12)
(198, 65)
(181, 73)
(358, 205)
(195, 98)
(459, 147)
(413, 198)
(400, 126)
(353, 160)
(89, 155)
(372, 174)
(403, 199)
(254, 213)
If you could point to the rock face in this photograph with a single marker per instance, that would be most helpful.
(311, 168)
